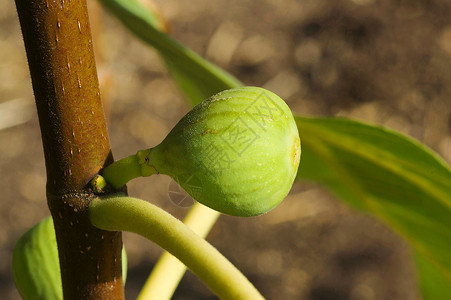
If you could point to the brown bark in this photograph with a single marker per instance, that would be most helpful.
(60, 55)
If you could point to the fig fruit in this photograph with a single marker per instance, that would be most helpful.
(237, 152)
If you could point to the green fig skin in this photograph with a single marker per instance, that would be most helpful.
(35, 263)
(237, 152)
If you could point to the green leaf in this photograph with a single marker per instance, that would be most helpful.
(35, 263)
(392, 177)
(434, 282)
(197, 77)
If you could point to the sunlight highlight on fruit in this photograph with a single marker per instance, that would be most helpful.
(240, 147)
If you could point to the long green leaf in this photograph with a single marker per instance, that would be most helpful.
(392, 177)
(197, 77)
(374, 169)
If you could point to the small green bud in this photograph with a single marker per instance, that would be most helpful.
(98, 183)
(240, 150)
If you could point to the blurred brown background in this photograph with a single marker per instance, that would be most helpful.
(386, 62)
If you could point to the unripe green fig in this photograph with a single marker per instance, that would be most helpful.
(237, 152)
(35, 263)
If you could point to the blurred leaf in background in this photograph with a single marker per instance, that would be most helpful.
(195, 76)
(390, 176)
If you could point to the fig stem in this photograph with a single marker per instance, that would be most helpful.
(122, 171)
(124, 213)
(168, 270)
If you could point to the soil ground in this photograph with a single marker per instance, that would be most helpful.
(383, 61)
